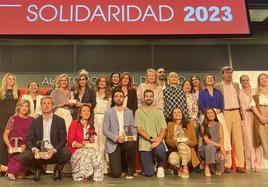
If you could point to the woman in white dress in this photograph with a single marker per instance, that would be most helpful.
(103, 99)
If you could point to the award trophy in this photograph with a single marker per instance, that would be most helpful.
(181, 136)
(89, 142)
(43, 151)
(16, 148)
(72, 101)
(128, 134)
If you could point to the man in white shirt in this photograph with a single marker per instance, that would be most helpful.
(118, 124)
(46, 134)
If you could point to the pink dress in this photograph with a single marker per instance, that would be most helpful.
(251, 153)
(18, 128)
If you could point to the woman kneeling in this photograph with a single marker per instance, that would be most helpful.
(85, 161)
(181, 138)
(212, 150)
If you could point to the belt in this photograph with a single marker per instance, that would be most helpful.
(264, 105)
(231, 109)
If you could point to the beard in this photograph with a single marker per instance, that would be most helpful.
(162, 77)
(118, 103)
(148, 102)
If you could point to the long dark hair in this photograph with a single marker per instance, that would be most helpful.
(107, 87)
(91, 125)
(111, 80)
(200, 86)
(77, 82)
(206, 121)
(184, 120)
(192, 87)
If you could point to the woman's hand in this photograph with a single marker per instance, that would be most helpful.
(23, 147)
(78, 145)
(263, 120)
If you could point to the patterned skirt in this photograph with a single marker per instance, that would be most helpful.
(85, 163)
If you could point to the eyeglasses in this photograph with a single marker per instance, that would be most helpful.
(161, 72)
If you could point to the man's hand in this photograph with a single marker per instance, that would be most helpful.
(36, 151)
(155, 144)
(156, 139)
(51, 152)
(121, 139)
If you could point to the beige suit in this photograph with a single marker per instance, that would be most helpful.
(233, 123)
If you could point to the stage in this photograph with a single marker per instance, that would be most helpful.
(196, 180)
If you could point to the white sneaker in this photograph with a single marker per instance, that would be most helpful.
(160, 172)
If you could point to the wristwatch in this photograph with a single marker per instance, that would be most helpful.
(151, 138)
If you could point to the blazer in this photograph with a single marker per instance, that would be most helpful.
(111, 127)
(88, 97)
(132, 100)
(76, 134)
(38, 109)
(190, 134)
(58, 134)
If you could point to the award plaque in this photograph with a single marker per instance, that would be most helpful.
(16, 148)
(72, 101)
(43, 151)
(181, 138)
(128, 135)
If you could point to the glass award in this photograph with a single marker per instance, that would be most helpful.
(43, 151)
(128, 134)
(16, 148)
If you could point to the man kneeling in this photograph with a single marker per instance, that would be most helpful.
(118, 127)
(46, 142)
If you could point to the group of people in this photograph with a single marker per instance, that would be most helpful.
(99, 131)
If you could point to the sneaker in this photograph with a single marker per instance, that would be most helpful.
(129, 176)
(160, 172)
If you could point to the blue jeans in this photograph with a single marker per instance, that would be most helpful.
(149, 158)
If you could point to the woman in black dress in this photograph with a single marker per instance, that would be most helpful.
(9, 95)
(84, 95)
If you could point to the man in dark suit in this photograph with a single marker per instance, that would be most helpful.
(51, 129)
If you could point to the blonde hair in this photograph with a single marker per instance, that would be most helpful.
(172, 74)
(3, 88)
(259, 87)
(20, 104)
(155, 73)
(58, 79)
(28, 87)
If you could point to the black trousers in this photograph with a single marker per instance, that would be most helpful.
(60, 159)
(126, 150)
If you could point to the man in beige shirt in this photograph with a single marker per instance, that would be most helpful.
(230, 92)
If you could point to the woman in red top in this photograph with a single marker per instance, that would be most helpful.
(85, 161)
